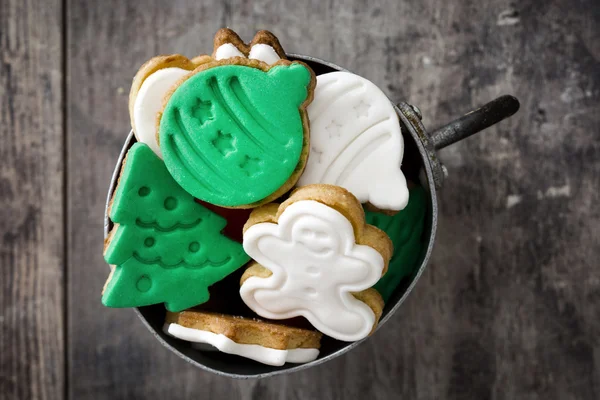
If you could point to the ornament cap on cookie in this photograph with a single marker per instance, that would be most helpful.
(311, 261)
(264, 47)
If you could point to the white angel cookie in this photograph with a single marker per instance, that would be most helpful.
(265, 342)
(151, 84)
(356, 141)
(316, 258)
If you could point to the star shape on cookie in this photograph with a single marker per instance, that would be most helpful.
(224, 143)
(362, 109)
(203, 111)
(334, 128)
(251, 165)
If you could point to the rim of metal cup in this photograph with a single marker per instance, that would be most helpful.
(400, 295)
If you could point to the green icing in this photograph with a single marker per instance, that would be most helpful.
(406, 230)
(232, 135)
(167, 248)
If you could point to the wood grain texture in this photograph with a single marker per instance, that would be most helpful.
(509, 307)
(111, 353)
(31, 199)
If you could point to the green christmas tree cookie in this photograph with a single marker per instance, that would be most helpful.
(166, 247)
(405, 228)
(233, 135)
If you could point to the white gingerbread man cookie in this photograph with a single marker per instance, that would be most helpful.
(315, 257)
(356, 141)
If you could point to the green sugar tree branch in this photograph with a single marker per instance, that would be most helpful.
(166, 248)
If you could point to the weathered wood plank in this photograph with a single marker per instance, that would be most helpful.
(509, 306)
(31, 199)
(112, 355)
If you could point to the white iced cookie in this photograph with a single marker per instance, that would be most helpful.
(262, 341)
(264, 53)
(315, 265)
(149, 102)
(151, 84)
(254, 352)
(356, 141)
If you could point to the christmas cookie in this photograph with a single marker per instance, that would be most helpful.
(150, 85)
(157, 77)
(166, 247)
(405, 228)
(268, 343)
(234, 132)
(356, 141)
(316, 258)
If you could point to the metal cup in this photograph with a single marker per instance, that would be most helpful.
(420, 156)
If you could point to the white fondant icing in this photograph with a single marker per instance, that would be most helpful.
(265, 53)
(254, 352)
(228, 50)
(316, 265)
(149, 102)
(356, 134)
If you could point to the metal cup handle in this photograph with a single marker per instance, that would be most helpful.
(461, 128)
(475, 121)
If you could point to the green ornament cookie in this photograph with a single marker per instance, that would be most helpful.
(234, 135)
(405, 228)
(166, 247)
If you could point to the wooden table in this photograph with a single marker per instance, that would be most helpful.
(509, 307)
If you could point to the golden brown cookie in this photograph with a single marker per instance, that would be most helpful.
(266, 342)
(316, 257)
